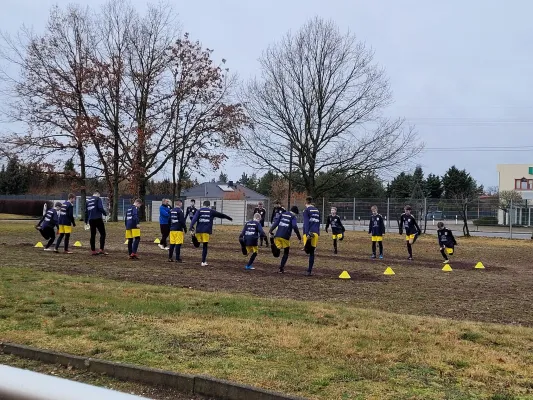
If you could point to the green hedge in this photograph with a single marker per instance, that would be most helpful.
(486, 221)
(32, 208)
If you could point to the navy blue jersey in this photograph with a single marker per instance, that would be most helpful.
(50, 219)
(191, 212)
(445, 237)
(66, 214)
(251, 232)
(336, 224)
(164, 214)
(376, 227)
(276, 212)
(285, 224)
(94, 209)
(176, 220)
(409, 225)
(132, 218)
(311, 220)
(204, 218)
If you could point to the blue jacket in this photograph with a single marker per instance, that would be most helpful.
(94, 209)
(203, 219)
(251, 232)
(176, 220)
(376, 227)
(285, 224)
(164, 214)
(311, 220)
(66, 214)
(50, 219)
(132, 218)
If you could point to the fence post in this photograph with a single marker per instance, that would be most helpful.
(323, 210)
(123, 217)
(353, 216)
(511, 221)
(388, 212)
(246, 211)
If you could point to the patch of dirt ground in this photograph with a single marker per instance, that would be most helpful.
(499, 293)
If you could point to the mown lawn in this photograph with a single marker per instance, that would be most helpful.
(321, 350)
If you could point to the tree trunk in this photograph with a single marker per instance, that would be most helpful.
(466, 231)
(174, 188)
(116, 177)
(142, 196)
(83, 181)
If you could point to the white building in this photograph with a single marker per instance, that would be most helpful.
(518, 177)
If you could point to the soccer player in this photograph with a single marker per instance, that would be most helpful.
(178, 226)
(94, 213)
(311, 231)
(66, 222)
(376, 228)
(46, 225)
(251, 232)
(337, 228)
(278, 209)
(203, 219)
(408, 223)
(191, 210)
(446, 241)
(284, 224)
(262, 212)
(133, 229)
(164, 216)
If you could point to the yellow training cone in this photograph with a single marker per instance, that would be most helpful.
(447, 268)
(157, 241)
(389, 271)
(126, 242)
(39, 244)
(479, 265)
(345, 275)
(77, 244)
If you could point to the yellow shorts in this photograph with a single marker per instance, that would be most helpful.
(377, 238)
(339, 236)
(314, 240)
(282, 243)
(203, 237)
(176, 237)
(409, 237)
(65, 229)
(449, 251)
(252, 249)
(133, 233)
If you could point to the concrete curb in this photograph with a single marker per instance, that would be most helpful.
(191, 384)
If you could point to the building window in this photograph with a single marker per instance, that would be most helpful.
(523, 184)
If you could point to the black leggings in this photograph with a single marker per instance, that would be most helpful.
(165, 231)
(49, 234)
(97, 224)
(60, 238)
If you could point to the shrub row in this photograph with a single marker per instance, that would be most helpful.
(32, 208)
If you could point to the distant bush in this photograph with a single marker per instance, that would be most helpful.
(486, 221)
(32, 208)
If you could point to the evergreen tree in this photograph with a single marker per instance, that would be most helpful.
(433, 187)
(223, 178)
(401, 186)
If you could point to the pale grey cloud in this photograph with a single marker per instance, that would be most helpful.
(462, 71)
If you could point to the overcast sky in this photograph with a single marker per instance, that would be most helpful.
(461, 71)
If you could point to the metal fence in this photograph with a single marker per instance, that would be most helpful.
(484, 217)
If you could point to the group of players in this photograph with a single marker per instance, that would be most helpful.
(173, 225)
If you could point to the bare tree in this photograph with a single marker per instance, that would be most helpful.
(321, 95)
(108, 95)
(507, 200)
(205, 120)
(148, 98)
(49, 95)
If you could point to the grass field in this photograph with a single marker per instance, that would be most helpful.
(421, 334)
